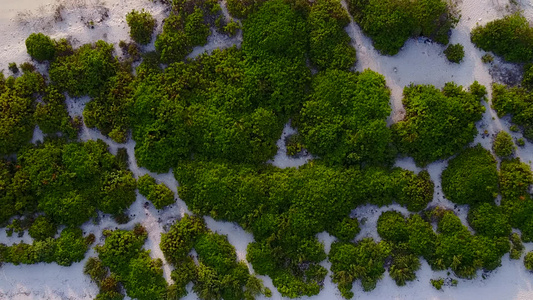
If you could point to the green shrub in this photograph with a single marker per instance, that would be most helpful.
(517, 248)
(42, 228)
(390, 23)
(437, 283)
(40, 46)
(520, 142)
(471, 177)
(426, 133)
(242, 8)
(159, 194)
(517, 102)
(455, 53)
(232, 27)
(510, 37)
(488, 219)
(403, 268)
(487, 58)
(346, 230)
(52, 116)
(503, 145)
(528, 261)
(141, 25)
(13, 67)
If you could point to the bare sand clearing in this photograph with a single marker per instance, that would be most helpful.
(419, 62)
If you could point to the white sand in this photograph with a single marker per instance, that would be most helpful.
(417, 62)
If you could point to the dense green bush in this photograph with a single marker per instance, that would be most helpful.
(455, 53)
(344, 120)
(390, 23)
(42, 228)
(503, 145)
(86, 71)
(510, 37)
(40, 46)
(141, 25)
(517, 248)
(242, 8)
(438, 123)
(52, 116)
(329, 45)
(488, 220)
(346, 229)
(17, 98)
(159, 194)
(471, 177)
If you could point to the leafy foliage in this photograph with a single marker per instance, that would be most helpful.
(503, 144)
(438, 123)
(159, 194)
(344, 119)
(455, 53)
(528, 261)
(52, 116)
(517, 102)
(510, 37)
(471, 177)
(40, 46)
(390, 23)
(141, 25)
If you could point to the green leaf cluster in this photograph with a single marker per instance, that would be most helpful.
(141, 25)
(503, 144)
(40, 46)
(159, 194)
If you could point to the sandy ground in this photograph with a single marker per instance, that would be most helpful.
(419, 62)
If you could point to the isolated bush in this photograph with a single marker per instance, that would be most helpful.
(141, 25)
(455, 53)
(503, 145)
(40, 46)
(437, 283)
(427, 132)
(528, 261)
(471, 177)
(510, 37)
(13, 67)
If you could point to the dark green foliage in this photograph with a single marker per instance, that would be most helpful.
(393, 227)
(528, 261)
(438, 123)
(17, 98)
(471, 177)
(455, 53)
(344, 120)
(52, 116)
(488, 220)
(69, 181)
(510, 37)
(186, 26)
(527, 79)
(40, 46)
(13, 67)
(517, 102)
(517, 248)
(503, 145)
(487, 58)
(218, 274)
(42, 228)
(242, 8)
(141, 276)
(70, 247)
(329, 45)
(159, 194)
(110, 111)
(403, 268)
(390, 23)
(346, 229)
(294, 144)
(141, 25)
(86, 71)
(364, 260)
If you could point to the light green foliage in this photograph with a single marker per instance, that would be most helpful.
(86, 71)
(346, 229)
(510, 37)
(141, 25)
(40, 46)
(528, 261)
(437, 283)
(517, 248)
(70, 247)
(393, 227)
(471, 177)
(344, 120)
(438, 123)
(159, 194)
(110, 111)
(455, 53)
(180, 239)
(52, 116)
(364, 260)
(390, 23)
(17, 97)
(503, 144)
(330, 46)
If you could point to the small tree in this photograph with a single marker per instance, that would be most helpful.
(141, 25)
(455, 53)
(40, 46)
(528, 261)
(503, 144)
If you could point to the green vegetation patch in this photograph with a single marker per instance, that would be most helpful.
(141, 25)
(159, 194)
(438, 123)
(455, 53)
(516, 101)
(503, 144)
